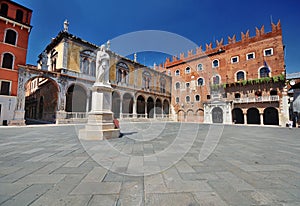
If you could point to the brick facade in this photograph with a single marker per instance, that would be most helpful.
(14, 33)
(248, 73)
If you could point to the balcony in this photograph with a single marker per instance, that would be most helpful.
(272, 98)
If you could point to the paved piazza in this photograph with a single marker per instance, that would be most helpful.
(153, 164)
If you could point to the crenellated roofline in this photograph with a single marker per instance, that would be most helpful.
(220, 47)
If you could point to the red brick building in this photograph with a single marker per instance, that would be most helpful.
(238, 82)
(14, 33)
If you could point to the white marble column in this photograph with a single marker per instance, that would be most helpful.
(134, 108)
(146, 110)
(121, 107)
(261, 118)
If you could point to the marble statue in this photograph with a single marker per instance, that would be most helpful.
(44, 60)
(66, 26)
(102, 66)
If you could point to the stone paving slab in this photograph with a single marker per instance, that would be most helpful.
(49, 165)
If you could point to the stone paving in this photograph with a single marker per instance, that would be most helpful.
(152, 164)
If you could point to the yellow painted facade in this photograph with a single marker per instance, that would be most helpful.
(74, 57)
(60, 49)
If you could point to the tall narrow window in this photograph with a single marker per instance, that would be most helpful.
(187, 99)
(87, 62)
(162, 85)
(4, 88)
(10, 37)
(4, 9)
(93, 69)
(197, 98)
(200, 82)
(19, 15)
(122, 72)
(7, 61)
(146, 80)
(216, 80)
(86, 66)
(177, 85)
(177, 73)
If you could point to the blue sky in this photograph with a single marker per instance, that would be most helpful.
(201, 21)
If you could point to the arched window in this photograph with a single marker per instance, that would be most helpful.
(199, 67)
(85, 66)
(88, 62)
(177, 72)
(200, 82)
(162, 85)
(93, 69)
(4, 9)
(177, 100)
(187, 70)
(187, 99)
(10, 37)
(197, 98)
(216, 79)
(19, 15)
(240, 76)
(123, 71)
(7, 61)
(177, 85)
(264, 72)
(187, 85)
(215, 63)
(146, 80)
(53, 59)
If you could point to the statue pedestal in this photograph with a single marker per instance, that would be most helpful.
(100, 120)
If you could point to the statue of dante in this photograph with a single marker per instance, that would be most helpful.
(102, 65)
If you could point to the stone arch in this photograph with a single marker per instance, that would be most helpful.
(41, 99)
(140, 106)
(158, 106)
(217, 115)
(76, 98)
(166, 107)
(127, 104)
(190, 115)
(253, 116)
(150, 107)
(238, 116)
(181, 116)
(271, 116)
(116, 103)
(200, 115)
